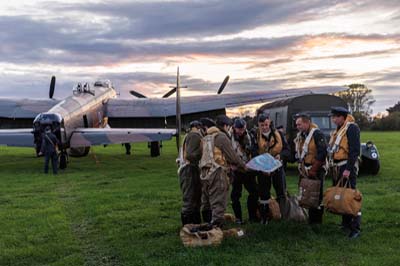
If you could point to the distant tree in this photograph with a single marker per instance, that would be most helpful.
(395, 108)
(360, 100)
(390, 122)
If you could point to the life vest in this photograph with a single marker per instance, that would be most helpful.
(306, 149)
(237, 147)
(212, 157)
(271, 144)
(339, 144)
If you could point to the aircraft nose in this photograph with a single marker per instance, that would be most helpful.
(44, 120)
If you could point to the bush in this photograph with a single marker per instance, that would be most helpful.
(390, 122)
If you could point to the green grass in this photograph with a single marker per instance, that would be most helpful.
(113, 209)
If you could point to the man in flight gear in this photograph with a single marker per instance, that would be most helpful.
(218, 156)
(311, 151)
(189, 175)
(49, 149)
(206, 123)
(241, 143)
(343, 151)
(266, 139)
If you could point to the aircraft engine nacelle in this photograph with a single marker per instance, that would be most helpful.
(79, 152)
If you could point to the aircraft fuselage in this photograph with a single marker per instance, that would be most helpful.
(84, 109)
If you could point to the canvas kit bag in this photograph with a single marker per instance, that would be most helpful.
(195, 235)
(309, 192)
(274, 210)
(291, 210)
(228, 217)
(341, 199)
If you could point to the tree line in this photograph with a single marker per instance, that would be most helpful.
(360, 100)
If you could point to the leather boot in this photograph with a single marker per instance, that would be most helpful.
(207, 216)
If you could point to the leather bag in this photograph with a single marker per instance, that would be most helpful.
(291, 210)
(309, 192)
(341, 199)
(274, 210)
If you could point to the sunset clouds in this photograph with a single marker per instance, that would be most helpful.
(260, 44)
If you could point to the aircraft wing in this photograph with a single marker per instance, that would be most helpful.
(83, 137)
(151, 107)
(17, 137)
(24, 108)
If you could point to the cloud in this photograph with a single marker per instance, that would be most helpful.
(389, 76)
(80, 42)
(161, 19)
(43, 42)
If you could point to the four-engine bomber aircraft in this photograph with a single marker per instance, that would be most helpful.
(84, 118)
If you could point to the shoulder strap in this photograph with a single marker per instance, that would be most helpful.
(272, 135)
(306, 143)
(340, 135)
(49, 139)
(297, 141)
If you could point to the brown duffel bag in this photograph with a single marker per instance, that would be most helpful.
(291, 210)
(274, 210)
(309, 190)
(343, 200)
(228, 217)
(198, 235)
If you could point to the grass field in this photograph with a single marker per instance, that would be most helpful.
(113, 209)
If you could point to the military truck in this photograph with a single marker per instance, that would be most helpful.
(282, 113)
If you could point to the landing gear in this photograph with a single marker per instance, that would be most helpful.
(63, 159)
(155, 147)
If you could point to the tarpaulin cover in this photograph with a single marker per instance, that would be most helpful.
(264, 163)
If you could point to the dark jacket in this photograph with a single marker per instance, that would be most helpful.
(49, 143)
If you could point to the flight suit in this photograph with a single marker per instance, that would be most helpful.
(344, 156)
(268, 143)
(189, 177)
(218, 155)
(242, 145)
(48, 148)
(311, 164)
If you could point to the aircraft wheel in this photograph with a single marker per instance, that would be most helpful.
(154, 149)
(375, 166)
(63, 160)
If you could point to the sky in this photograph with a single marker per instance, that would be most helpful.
(262, 45)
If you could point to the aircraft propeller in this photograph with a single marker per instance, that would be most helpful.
(169, 93)
(52, 87)
(137, 94)
(222, 87)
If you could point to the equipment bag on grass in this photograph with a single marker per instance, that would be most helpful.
(309, 190)
(341, 199)
(291, 210)
(274, 210)
(196, 235)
